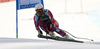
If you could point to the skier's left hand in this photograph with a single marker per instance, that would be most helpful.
(52, 25)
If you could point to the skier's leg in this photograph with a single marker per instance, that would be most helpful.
(56, 24)
(62, 33)
(43, 26)
(59, 31)
(56, 28)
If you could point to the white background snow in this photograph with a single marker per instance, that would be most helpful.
(83, 23)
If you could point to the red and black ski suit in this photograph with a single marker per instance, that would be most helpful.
(44, 22)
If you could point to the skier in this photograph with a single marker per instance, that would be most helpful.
(44, 19)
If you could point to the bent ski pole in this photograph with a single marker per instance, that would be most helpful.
(78, 37)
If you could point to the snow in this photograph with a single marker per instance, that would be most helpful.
(69, 16)
(12, 43)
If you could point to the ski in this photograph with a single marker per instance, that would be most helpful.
(59, 39)
(46, 37)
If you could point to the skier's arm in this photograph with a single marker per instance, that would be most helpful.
(50, 16)
(52, 19)
(36, 23)
(37, 26)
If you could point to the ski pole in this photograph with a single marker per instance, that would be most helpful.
(46, 35)
(77, 37)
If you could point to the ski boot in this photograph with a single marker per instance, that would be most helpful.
(52, 34)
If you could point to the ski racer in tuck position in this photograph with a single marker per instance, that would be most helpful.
(44, 19)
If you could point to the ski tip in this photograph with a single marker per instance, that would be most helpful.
(92, 40)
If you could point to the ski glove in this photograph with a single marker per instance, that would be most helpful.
(52, 25)
(40, 32)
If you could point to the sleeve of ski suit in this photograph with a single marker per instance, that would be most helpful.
(36, 22)
(36, 19)
(50, 16)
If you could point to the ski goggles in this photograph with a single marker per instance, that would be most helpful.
(39, 10)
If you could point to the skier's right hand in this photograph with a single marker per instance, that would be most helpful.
(40, 32)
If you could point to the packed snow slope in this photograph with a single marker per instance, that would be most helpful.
(12, 43)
